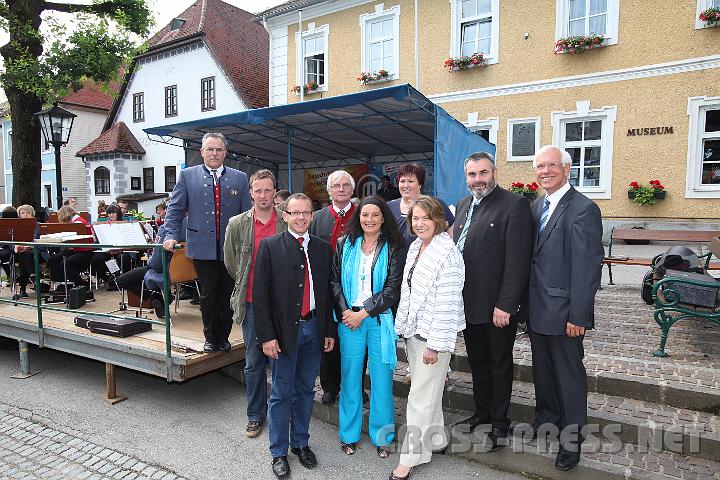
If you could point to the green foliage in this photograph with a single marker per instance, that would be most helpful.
(644, 195)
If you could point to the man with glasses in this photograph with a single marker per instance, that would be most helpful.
(209, 194)
(564, 276)
(328, 224)
(243, 236)
(292, 307)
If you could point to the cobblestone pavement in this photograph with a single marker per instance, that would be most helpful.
(31, 450)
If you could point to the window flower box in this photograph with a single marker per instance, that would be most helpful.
(578, 44)
(308, 89)
(367, 78)
(528, 191)
(646, 195)
(454, 64)
(711, 16)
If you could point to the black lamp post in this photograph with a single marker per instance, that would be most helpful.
(56, 125)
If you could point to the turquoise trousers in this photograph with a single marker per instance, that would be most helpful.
(353, 345)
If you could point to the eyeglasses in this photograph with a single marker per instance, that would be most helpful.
(342, 186)
(549, 166)
(214, 150)
(298, 214)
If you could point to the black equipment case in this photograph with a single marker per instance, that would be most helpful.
(114, 326)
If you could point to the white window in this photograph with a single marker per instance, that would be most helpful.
(379, 33)
(312, 61)
(703, 165)
(587, 17)
(487, 129)
(703, 5)
(475, 28)
(523, 138)
(587, 135)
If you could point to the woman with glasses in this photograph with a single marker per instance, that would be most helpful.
(429, 317)
(365, 282)
(410, 180)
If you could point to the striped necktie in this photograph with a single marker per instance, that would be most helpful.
(544, 214)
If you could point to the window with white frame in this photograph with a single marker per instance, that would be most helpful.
(380, 46)
(587, 135)
(475, 28)
(586, 17)
(703, 168)
(487, 129)
(523, 138)
(703, 5)
(312, 58)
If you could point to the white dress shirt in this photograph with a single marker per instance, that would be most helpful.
(554, 198)
(306, 242)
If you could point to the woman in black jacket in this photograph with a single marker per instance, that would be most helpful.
(366, 276)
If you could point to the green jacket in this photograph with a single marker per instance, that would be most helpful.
(238, 248)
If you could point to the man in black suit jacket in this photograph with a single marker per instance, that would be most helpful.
(564, 276)
(292, 307)
(494, 233)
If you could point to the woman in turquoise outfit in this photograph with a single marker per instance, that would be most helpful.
(367, 271)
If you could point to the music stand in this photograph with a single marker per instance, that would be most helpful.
(16, 230)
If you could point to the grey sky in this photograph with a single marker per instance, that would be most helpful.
(166, 10)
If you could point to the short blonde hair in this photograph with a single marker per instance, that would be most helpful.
(434, 210)
(28, 208)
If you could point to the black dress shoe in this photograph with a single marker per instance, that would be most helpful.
(209, 347)
(159, 307)
(566, 459)
(224, 346)
(306, 456)
(328, 398)
(471, 422)
(281, 467)
(498, 440)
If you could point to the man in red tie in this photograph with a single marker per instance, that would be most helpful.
(292, 306)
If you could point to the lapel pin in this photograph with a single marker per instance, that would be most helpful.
(492, 224)
(233, 191)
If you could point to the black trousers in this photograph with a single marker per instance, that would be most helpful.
(330, 370)
(132, 281)
(26, 260)
(560, 383)
(489, 351)
(216, 287)
(75, 262)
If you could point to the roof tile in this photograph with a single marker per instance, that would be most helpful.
(118, 139)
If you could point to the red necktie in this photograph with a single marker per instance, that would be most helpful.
(306, 283)
(216, 192)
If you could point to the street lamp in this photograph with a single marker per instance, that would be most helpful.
(56, 125)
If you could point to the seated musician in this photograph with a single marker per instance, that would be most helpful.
(76, 259)
(24, 255)
(98, 259)
(6, 250)
(132, 281)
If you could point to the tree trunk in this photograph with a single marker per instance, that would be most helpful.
(26, 163)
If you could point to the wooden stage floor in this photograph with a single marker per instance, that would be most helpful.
(143, 352)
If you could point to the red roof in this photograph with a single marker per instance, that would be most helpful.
(118, 139)
(240, 45)
(91, 95)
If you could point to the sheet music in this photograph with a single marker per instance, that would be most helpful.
(119, 234)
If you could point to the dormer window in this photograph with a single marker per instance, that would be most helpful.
(176, 24)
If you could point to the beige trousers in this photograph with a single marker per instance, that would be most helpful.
(425, 427)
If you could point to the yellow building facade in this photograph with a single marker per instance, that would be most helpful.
(643, 105)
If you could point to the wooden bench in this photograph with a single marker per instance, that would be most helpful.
(680, 237)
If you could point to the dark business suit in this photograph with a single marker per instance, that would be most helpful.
(277, 301)
(496, 252)
(564, 276)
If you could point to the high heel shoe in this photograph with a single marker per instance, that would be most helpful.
(348, 448)
(395, 477)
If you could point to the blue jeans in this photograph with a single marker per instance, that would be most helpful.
(293, 390)
(255, 363)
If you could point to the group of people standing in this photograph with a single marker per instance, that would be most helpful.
(331, 292)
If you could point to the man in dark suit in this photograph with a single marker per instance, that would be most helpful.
(293, 307)
(328, 224)
(494, 233)
(564, 276)
(209, 194)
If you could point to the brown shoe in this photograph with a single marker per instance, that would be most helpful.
(253, 429)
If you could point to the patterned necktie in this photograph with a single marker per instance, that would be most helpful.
(544, 214)
(341, 213)
(215, 178)
(466, 227)
(306, 282)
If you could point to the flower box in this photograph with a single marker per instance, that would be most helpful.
(466, 62)
(530, 195)
(711, 16)
(578, 44)
(366, 78)
(528, 190)
(646, 195)
(659, 194)
(308, 89)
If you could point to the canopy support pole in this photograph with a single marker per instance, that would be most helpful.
(289, 153)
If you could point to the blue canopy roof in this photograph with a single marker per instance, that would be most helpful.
(396, 120)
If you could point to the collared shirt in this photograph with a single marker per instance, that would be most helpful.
(306, 243)
(219, 171)
(345, 209)
(260, 231)
(554, 198)
(463, 233)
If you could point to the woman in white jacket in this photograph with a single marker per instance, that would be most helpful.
(429, 317)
